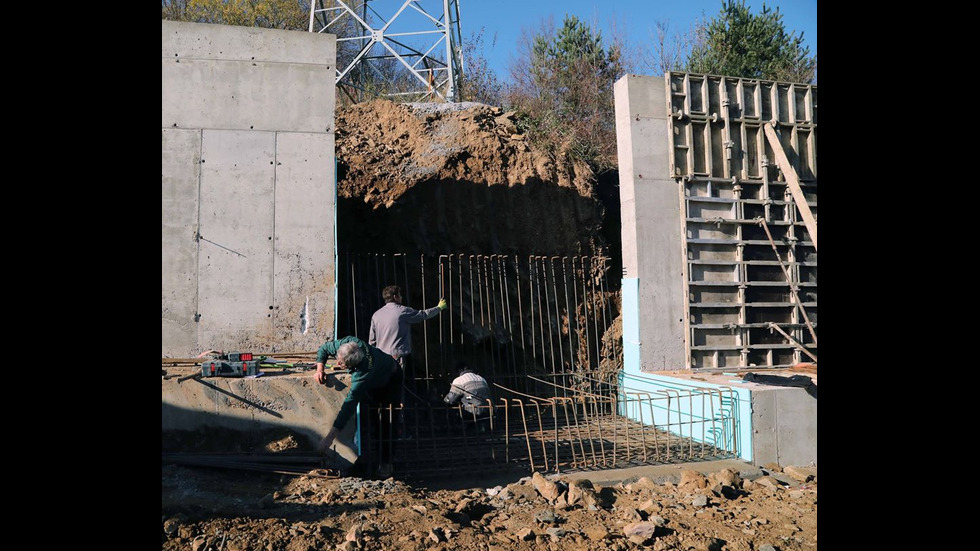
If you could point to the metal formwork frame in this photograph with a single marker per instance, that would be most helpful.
(427, 47)
(749, 259)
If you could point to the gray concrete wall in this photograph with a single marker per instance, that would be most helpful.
(249, 189)
(784, 426)
(651, 225)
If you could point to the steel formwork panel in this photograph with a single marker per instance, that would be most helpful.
(751, 263)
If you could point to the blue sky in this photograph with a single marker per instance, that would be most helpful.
(504, 19)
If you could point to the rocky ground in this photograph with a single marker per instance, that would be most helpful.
(222, 509)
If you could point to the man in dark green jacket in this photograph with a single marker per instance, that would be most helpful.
(375, 381)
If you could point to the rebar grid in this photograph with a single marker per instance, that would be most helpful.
(582, 431)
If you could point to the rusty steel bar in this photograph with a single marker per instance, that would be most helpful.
(425, 326)
(462, 334)
(407, 289)
(492, 310)
(520, 310)
(595, 317)
(469, 265)
(585, 306)
(485, 292)
(531, 275)
(547, 304)
(443, 294)
(530, 455)
(569, 314)
(544, 449)
(554, 287)
(510, 321)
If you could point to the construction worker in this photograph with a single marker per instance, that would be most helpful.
(376, 381)
(391, 331)
(473, 392)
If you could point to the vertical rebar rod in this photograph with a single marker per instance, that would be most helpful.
(578, 325)
(506, 430)
(506, 348)
(484, 288)
(531, 273)
(442, 295)
(602, 441)
(469, 271)
(605, 273)
(462, 333)
(568, 316)
(554, 289)
(653, 423)
(353, 291)
(425, 328)
(505, 285)
(530, 455)
(492, 310)
(690, 422)
(384, 271)
(376, 290)
(603, 297)
(643, 439)
(554, 415)
(547, 304)
(449, 301)
(520, 313)
(595, 316)
(407, 290)
(568, 430)
(585, 308)
(544, 449)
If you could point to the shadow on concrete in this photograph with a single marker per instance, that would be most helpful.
(800, 381)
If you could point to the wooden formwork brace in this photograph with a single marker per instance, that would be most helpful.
(794, 182)
(792, 287)
(792, 340)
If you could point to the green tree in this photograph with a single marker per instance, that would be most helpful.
(739, 43)
(563, 88)
(271, 14)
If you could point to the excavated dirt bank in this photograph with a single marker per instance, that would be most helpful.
(459, 178)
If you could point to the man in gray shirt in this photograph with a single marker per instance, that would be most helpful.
(391, 330)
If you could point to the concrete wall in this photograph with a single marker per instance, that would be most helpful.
(762, 423)
(689, 204)
(651, 229)
(249, 189)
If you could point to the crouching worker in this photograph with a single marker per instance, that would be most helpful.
(473, 392)
(376, 382)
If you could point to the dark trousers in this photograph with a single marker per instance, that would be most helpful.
(377, 414)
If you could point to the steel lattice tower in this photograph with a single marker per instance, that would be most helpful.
(396, 48)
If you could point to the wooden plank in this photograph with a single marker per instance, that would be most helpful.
(794, 182)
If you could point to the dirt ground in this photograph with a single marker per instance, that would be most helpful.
(207, 508)
(433, 179)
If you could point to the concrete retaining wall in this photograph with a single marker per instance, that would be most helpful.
(249, 189)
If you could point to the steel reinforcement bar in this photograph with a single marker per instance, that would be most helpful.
(579, 431)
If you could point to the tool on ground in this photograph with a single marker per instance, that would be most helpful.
(232, 364)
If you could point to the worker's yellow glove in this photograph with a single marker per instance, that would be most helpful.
(442, 304)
